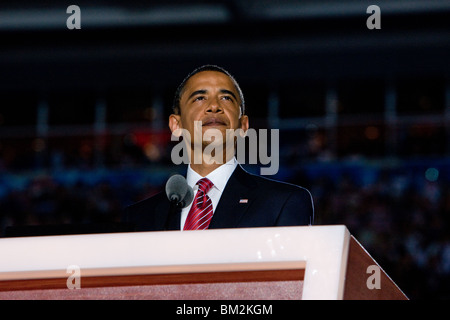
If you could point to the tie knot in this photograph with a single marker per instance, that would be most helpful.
(204, 185)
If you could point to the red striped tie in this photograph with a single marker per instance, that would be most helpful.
(201, 210)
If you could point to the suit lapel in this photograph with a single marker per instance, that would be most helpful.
(237, 196)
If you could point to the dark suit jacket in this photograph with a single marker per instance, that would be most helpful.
(270, 203)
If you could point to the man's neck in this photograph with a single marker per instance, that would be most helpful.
(204, 168)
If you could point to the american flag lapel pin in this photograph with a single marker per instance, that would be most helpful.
(243, 201)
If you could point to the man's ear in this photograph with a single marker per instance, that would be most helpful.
(174, 122)
(244, 123)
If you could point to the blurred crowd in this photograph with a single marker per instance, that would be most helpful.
(403, 226)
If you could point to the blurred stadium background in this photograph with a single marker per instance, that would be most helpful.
(364, 115)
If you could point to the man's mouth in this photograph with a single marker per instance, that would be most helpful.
(213, 122)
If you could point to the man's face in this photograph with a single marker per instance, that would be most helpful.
(212, 98)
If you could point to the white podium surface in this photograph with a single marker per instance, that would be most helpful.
(321, 251)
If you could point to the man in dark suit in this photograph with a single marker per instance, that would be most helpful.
(234, 198)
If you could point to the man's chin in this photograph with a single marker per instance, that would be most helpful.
(214, 129)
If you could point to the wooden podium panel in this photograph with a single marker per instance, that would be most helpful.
(255, 263)
(357, 275)
(249, 285)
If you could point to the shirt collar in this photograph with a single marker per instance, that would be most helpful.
(219, 177)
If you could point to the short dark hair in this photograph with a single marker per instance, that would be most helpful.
(207, 67)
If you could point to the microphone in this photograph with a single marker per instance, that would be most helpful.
(178, 191)
(180, 195)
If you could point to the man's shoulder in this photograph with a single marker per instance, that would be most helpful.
(292, 202)
(273, 184)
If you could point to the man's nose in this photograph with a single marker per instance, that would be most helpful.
(214, 106)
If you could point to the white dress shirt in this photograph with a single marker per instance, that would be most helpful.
(219, 177)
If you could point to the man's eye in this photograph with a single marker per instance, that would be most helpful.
(199, 98)
(227, 98)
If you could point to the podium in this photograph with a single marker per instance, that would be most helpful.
(303, 263)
